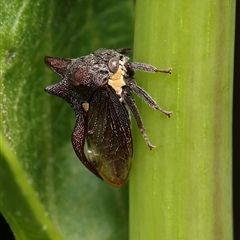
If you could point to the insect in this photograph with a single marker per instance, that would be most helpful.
(99, 88)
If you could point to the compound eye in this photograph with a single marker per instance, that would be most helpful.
(113, 65)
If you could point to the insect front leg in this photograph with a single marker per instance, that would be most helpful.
(146, 67)
(78, 140)
(128, 99)
(146, 97)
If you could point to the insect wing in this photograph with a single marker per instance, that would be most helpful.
(109, 137)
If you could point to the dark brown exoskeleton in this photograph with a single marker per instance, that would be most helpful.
(98, 87)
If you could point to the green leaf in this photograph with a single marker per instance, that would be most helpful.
(184, 185)
(46, 193)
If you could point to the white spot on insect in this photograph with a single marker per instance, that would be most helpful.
(85, 106)
(116, 80)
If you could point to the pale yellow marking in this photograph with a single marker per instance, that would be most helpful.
(116, 80)
(85, 106)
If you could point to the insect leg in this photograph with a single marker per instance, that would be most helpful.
(145, 67)
(128, 99)
(124, 50)
(78, 140)
(146, 97)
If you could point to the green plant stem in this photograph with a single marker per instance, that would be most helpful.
(182, 189)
